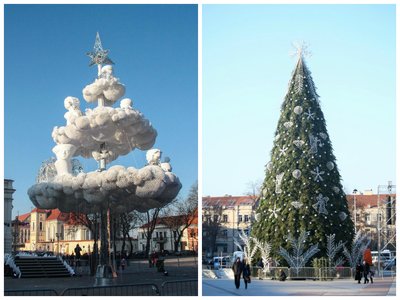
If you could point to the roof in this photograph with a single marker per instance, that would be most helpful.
(23, 217)
(180, 219)
(229, 201)
(39, 210)
(55, 214)
(366, 200)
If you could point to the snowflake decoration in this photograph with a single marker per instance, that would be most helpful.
(274, 212)
(320, 206)
(282, 151)
(309, 114)
(317, 173)
(296, 204)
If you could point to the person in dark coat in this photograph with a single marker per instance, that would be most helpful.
(78, 250)
(359, 268)
(246, 273)
(366, 270)
(237, 268)
(282, 276)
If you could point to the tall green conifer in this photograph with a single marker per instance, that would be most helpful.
(302, 189)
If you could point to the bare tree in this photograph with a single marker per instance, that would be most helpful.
(211, 227)
(149, 220)
(253, 188)
(181, 215)
(127, 222)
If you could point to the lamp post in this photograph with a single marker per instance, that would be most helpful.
(355, 210)
(58, 235)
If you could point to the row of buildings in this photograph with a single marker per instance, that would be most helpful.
(54, 231)
(224, 217)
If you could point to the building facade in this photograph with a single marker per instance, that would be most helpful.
(164, 235)
(8, 198)
(50, 230)
(223, 219)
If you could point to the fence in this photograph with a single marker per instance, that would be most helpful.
(180, 288)
(114, 290)
(36, 292)
(304, 273)
(168, 288)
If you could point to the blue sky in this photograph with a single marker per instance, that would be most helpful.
(246, 70)
(155, 49)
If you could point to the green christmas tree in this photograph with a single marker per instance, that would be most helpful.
(302, 189)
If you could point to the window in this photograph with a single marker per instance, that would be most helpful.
(156, 234)
(142, 235)
(240, 218)
(40, 226)
(367, 218)
(225, 248)
(225, 218)
(246, 218)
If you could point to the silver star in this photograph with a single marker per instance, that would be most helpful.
(98, 56)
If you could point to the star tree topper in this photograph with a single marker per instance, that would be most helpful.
(99, 56)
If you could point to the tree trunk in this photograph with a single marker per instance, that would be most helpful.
(103, 238)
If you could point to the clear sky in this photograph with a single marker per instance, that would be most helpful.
(155, 48)
(246, 70)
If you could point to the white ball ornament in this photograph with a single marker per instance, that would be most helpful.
(298, 110)
(296, 173)
(330, 165)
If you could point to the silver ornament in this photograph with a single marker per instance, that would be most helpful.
(296, 173)
(298, 110)
(330, 165)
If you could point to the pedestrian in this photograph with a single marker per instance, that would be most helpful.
(282, 275)
(246, 273)
(371, 275)
(366, 270)
(358, 272)
(123, 263)
(78, 251)
(237, 271)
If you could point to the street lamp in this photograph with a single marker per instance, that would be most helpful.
(355, 210)
(58, 235)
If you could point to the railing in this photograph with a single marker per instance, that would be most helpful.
(168, 288)
(180, 288)
(41, 292)
(304, 273)
(114, 290)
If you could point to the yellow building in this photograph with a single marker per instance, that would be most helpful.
(51, 230)
(223, 218)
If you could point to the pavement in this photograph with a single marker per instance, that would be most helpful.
(385, 286)
(136, 273)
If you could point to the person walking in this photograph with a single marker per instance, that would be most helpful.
(359, 268)
(371, 275)
(237, 271)
(366, 270)
(246, 273)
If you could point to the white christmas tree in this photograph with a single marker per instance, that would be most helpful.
(299, 258)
